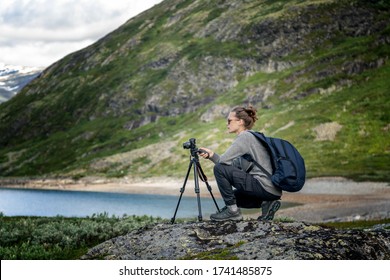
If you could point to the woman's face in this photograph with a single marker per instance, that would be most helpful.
(234, 125)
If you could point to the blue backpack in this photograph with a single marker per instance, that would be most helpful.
(289, 170)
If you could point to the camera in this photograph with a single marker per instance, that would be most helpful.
(190, 144)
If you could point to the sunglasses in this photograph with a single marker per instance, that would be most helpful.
(230, 120)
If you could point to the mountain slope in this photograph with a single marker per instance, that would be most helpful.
(316, 70)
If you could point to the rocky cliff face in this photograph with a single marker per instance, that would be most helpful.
(246, 240)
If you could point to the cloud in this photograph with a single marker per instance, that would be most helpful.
(39, 53)
(39, 32)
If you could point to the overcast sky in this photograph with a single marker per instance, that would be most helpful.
(40, 32)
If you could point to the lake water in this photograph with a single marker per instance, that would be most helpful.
(49, 203)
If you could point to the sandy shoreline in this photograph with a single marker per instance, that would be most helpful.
(321, 199)
(163, 186)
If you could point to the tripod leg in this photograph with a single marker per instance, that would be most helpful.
(181, 192)
(197, 191)
(212, 196)
(204, 179)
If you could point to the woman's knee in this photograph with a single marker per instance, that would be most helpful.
(219, 168)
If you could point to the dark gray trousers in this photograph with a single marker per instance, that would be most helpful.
(248, 193)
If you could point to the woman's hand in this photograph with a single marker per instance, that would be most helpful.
(205, 153)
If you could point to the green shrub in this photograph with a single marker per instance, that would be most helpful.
(43, 238)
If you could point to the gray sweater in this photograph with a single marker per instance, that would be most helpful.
(246, 143)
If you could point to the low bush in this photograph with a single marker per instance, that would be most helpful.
(61, 238)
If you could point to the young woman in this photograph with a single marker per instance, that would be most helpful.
(240, 183)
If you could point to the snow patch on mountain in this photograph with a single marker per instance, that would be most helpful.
(14, 78)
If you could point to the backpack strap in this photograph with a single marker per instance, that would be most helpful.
(249, 158)
(262, 139)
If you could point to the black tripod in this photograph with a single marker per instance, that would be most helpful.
(198, 172)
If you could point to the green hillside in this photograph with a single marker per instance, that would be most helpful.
(317, 71)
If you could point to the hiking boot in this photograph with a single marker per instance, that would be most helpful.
(268, 210)
(226, 215)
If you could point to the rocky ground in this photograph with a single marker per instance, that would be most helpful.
(246, 240)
